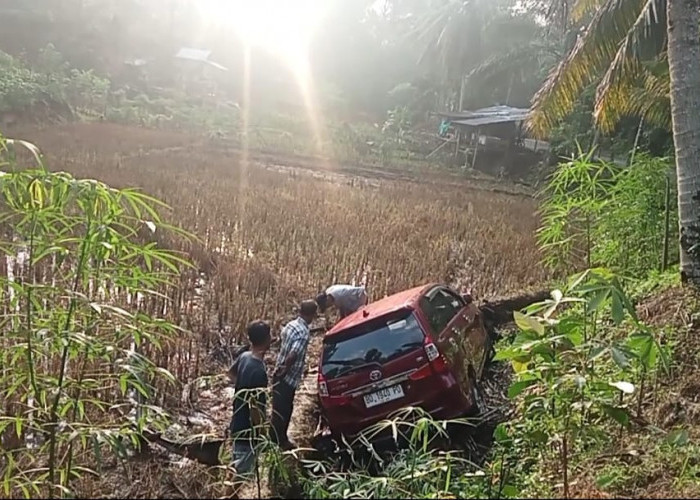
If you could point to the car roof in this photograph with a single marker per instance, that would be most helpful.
(408, 299)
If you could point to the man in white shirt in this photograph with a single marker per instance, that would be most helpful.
(346, 298)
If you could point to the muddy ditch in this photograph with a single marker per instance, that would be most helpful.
(200, 433)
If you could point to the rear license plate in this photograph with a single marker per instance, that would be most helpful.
(383, 396)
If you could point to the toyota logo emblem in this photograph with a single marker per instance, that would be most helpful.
(375, 375)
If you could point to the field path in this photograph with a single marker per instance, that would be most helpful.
(123, 143)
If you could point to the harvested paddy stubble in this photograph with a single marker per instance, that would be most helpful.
(270, 238)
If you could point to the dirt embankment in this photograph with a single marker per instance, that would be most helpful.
(642, 464)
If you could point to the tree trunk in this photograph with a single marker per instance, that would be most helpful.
(684, 64)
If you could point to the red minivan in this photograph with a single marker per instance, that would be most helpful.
(424, 347)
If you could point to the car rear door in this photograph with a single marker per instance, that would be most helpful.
(368, 370)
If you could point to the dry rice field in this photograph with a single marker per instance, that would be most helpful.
(271, 231)
(270, 234)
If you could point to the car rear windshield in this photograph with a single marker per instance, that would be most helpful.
(371, 344)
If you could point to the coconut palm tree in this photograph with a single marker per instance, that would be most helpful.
(684, 64)
(470, 42)
(627, 42)
(449, 33)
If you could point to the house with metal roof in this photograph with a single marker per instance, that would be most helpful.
(197, 72)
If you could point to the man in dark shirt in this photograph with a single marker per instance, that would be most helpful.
(250, 399)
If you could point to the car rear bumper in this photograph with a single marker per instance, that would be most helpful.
(444, 404)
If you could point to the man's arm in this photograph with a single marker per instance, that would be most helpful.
(233, 372)
(294, 344)
(290, 359)
(259, 399)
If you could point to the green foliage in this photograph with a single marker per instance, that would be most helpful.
(576, 379)
(596, 213)
(51, 84)
(77, 327)
(631, 233)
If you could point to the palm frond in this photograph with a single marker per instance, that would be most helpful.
(500, 66)
(646, 96)
(582, 8)
(645, 40)
(590, 57)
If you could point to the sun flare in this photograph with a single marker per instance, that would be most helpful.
(284, 27)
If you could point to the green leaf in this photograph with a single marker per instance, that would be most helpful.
(528, 323)
(644, 347)
(518, 387)
(500, 434)
(620, 415)
(606, 479)
(510, 491)
(18, 426)
(619, 357)
(618, 311)
(518, 366)
(678, 438)
(597, 300)
(538, 437)
(596, 352)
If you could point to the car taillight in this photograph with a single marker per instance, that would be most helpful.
(329, 400)
(436, 363)
(439, 365)
(322, 386)
(431, 351)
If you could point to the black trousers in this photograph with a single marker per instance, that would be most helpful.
(282, 405)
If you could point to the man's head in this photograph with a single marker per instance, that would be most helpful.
(324, 300)
(259, 335)
(308, 310)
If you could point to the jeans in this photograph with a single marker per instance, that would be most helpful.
(282, 405)
(243, 457)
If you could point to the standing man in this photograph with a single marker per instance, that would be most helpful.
(249, 399)
(289, 370)
(346, 298)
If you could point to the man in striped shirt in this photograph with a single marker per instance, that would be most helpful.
(289, 371)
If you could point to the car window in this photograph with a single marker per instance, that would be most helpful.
(440, 306)
(370, 344)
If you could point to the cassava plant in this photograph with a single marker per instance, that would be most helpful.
(78, 266)
(595, 213)
(572, 374)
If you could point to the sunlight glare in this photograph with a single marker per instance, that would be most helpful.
(281, 26)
